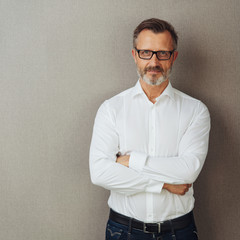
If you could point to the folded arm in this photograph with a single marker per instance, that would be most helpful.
(104, 169)
(179, 189)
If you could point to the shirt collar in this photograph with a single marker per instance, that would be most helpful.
(168, 91)
(137, 89)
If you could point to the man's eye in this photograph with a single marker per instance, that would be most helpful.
(162, 53)
(146, 52)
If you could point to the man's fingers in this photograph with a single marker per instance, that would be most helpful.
(180, 189)
(187, 187)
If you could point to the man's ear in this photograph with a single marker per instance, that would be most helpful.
(175, 54)
(134, 54)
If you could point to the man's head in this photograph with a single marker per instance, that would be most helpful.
(159, 40)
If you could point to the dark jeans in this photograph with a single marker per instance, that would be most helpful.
(116, 231)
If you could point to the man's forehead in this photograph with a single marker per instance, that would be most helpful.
(148, 39)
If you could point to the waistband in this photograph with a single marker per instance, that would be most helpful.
(165, 226)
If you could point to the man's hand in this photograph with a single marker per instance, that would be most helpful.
(177, 189)
(124, 160)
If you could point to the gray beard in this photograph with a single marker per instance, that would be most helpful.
(158, 81)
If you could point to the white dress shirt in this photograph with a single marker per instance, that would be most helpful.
(167, 143)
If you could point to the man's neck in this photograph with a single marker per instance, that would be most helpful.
(153, 91)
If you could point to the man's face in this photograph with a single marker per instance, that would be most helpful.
(154, 71)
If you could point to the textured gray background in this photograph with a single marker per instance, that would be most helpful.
(59, 60)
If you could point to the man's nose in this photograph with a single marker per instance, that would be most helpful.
(154, 60)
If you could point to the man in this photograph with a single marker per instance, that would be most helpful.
(149, 145)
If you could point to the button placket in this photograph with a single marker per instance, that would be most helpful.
(152, 131)
(151, 149)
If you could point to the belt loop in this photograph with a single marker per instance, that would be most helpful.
(172, 231)
(129, 229)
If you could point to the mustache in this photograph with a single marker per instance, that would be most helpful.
(155, 68)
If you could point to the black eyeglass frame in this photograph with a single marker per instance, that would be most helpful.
(155, 52)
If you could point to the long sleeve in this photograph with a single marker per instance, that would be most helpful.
(185, 167)
(104, 170)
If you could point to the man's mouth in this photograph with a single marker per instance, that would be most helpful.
(154, 70)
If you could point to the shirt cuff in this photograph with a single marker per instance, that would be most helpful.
(137, 161)
(154, 187)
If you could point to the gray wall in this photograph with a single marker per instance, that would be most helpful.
(59, 60)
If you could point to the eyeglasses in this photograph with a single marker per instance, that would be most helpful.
(148, 54)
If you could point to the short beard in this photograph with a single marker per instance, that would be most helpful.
(155, 82)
